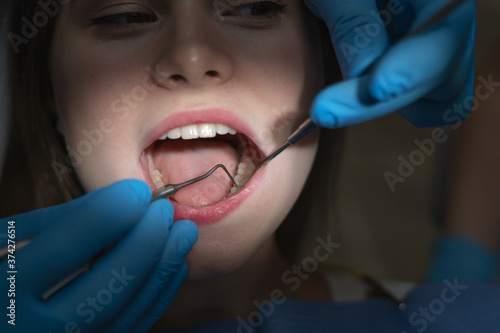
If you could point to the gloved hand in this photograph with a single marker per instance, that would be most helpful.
(463, 257)
(422, 77)
(126, 290)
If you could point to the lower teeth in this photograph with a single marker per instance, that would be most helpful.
(156, 176)
(246, 169)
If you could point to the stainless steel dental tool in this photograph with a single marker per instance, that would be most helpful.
(161, 193)
(307, 126)
(170, 189)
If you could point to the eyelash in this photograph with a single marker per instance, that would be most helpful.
(131, 18)
(272, 9)
(269, 10)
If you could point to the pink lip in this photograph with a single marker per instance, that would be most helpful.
(204, 215)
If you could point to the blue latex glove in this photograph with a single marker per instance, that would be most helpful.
(421, 77)
(126, 290)
(462, 257)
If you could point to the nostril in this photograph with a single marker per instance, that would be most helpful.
(176, 78)
(212, 74)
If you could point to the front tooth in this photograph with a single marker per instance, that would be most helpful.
(174, 133)
(221, 129)
(189, 132)
(207, 130)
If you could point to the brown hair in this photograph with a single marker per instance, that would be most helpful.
(29, 180)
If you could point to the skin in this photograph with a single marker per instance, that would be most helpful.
(265, 71)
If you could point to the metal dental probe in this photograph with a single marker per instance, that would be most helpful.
(161, 193)
(307, 126)
(170, 189)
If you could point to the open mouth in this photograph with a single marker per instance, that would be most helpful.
(184, 153)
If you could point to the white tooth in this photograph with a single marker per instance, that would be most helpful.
(246, 169)
(159, 183)
(207, 130)
(154, 173)
(156, 177)
(233, 192)
(174, 133)
(163, 137)
(221, 129)
(242, 169)
(232, 131)
(189, 132)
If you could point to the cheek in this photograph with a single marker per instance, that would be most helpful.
(284, 72)
(89, 75)
(87, 85)
(84, 87)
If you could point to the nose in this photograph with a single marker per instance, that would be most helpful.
(195, 54)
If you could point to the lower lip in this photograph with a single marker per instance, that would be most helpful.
(211, 214)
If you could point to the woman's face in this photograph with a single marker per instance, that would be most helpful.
(125, 73)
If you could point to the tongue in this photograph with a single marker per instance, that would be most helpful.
(180, 160)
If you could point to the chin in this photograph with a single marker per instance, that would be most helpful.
(212, 259)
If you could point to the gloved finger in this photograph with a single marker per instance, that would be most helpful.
(461, 78)
(348, 103)
(29, 224)
(115, 279)
(81, 233)
(429, 113)
(157, 294)
(357, 32)
(427, 60)
(398, 18)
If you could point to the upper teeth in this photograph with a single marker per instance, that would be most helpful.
(197, 131)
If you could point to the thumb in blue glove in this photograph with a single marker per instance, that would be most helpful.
(147, 259)
(420, 77)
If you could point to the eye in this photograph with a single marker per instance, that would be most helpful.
(257, 12)
(261, 8)
(124, 19)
